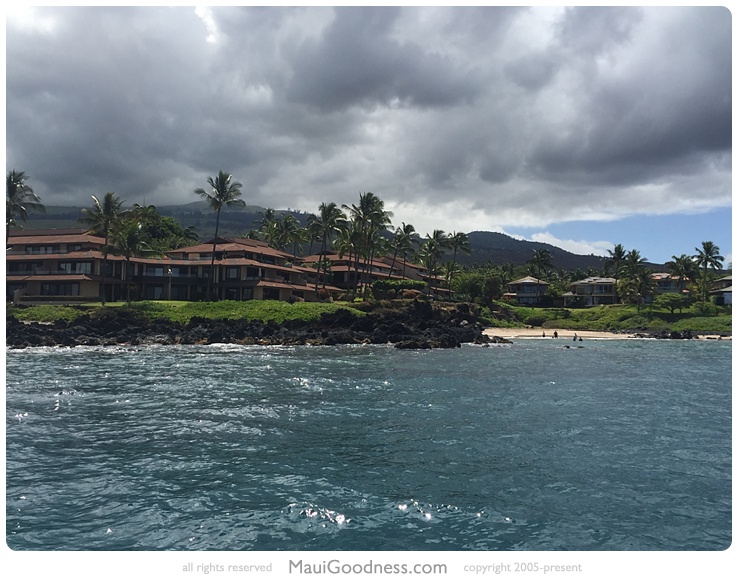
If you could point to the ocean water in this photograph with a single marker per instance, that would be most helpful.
(607, 445)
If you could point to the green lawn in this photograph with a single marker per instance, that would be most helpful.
(620, 317)
(183, 311)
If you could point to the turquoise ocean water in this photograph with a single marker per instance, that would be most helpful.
(607, 445)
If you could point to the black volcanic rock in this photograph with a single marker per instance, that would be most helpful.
(414, 325)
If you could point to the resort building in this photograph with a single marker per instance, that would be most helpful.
(722, 290)
(668, 283)
(54, 265)
(345, 271)
(244, 269)
(591, 291)
(526, 291)
(67, 266)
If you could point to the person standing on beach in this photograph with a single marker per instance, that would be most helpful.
(556, 335)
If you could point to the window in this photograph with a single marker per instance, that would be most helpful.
(42, 249)
(233, 273)
(76, 267)
(69, 289)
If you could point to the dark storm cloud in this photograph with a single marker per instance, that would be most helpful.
(358, 62)
(671, 111)
(521, 116)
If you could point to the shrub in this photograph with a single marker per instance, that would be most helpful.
(705, 308)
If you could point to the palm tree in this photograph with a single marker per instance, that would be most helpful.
(634, 264)
(269, 226)
(539, 264)
(102, 218)
(616, 260)
(348, 242)
(312, 234)
(129, 239)
(636, 282)
(371, 218)
(708, 258)
(289, 233)
(223, 192)
(19, 200)
(459, 241)
(402, 244)
(329, 219)
(431, 251)
(147, 216)
(683, 267)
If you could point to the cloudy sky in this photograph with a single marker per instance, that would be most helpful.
(576, 126)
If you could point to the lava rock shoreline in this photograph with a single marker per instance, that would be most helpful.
(417, 325)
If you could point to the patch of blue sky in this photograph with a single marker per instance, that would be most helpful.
(656, 237)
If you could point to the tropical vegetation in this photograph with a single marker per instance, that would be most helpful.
(364, 231)
(223, 192)
(20, 199)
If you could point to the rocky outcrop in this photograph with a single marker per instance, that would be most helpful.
(413, 325)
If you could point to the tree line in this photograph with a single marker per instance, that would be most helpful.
(362, 232)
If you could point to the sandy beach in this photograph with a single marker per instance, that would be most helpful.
(564, 334)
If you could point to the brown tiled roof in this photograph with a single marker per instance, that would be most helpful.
(48, 239)
(91, 254)
(234, 245)
(69, 277)
(48, 231)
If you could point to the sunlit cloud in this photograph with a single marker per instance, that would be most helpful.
(206, 15)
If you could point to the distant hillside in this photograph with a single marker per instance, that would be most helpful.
(486, 246)
(501, 248)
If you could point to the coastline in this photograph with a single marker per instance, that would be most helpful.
(565, 334)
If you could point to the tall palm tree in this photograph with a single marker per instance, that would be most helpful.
(636, 281)
(129, 239)
(683, 267)
(708, 258)
(312, 234)
(147, 216)
(458, 241)
(102, 218)
(289, 233)
(616, 261)
(371, 218)
(223, 192)
(431, 252)
(19, 200)
(539, 264)
(269, 226)
(634, 264)
(329, 219)
(348, 241)
(402, 244)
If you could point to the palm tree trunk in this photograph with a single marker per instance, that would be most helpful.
(104, 269)
(211, 279)
(128, 280)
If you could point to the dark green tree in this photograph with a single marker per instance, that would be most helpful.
(20, 199)
(684, 268)
(223, 192)
(327, 223)
(458, 241)
(708, 259)
(102, 219)
(129, 239)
